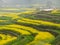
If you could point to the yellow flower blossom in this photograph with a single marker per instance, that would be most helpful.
(27, 12)
(47, 44)
(22, 21)
(15, 29)
(8, 39)
(44, 35)
(3, 36)
(41, 37)
(23, 27)
(39, 22)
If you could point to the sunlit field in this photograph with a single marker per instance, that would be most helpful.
(29, 27)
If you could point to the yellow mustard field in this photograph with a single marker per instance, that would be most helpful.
(16, 29)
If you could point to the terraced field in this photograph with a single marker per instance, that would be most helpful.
(28, 28)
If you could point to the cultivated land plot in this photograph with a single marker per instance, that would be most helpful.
(29, 28)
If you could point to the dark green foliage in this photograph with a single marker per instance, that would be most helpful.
(5, 18)
(22, 40)
(57, 40)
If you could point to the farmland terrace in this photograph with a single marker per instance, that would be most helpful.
(29, 27)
